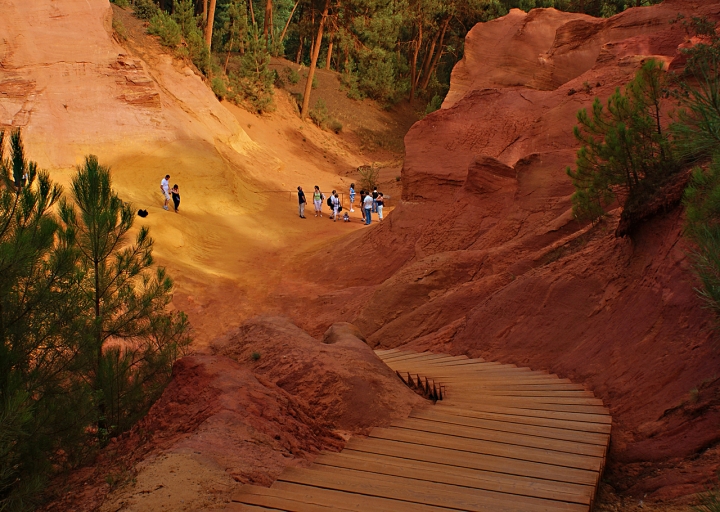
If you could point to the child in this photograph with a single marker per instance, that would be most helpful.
(346, 217)
(176, 197)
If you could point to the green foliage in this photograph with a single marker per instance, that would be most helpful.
(119, 29)
(434, 104)
(709, 501)
(253, 83)
(255, 356)
(121, 3)
(219, 87)
(698, 131)
(189, 24)
(292, 75)
(319, 114)
(369, 176)
(165, 27)
(334, 125)
(131, 341)
(145, 9)
(624, 152)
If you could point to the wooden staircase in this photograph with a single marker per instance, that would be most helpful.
(502, 438)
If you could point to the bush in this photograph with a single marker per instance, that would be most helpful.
(624, 152)
(434, 104)
(219, 87)
(335, 125)
(121, 3)
(119, 29)
(253, 85)
(166, 28)
(319, 113)
(369, 176)
(292, 76)
(145, 9)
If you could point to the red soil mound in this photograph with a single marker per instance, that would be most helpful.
(483, 256)
(343, 382)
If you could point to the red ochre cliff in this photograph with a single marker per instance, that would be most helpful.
(482, 257)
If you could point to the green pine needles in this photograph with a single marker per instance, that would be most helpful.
(625, 154)
(87, 342)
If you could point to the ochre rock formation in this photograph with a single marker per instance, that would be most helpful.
(346, 386)
(483, 256)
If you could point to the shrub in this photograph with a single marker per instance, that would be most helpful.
(119, 29)
(434, 104)
(335, 125)
(292, 76)
(624, 151)
(145, 9)
(319, 113)
(166, 28)
(219, 87)
(121, 3)
(255, 356)
(369, 176)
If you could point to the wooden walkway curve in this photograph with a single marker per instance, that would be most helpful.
(502, 438)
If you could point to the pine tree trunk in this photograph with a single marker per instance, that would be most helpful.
(282, 36)
(204, 13)
(438, 56)
(313, 62)
(413, 64)
(252, 14)
(266, 23)
(329, 55)
(298, 57)
(427, 59)
(209, 27)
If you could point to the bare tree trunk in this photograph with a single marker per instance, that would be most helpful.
(413, 64)
(438, 56)
(313, 62)
(252, 13)
(266, 23)
(427, 59)
(282, 36)
(329, 55)
(209, 27)
(298, 57)
(204, 14)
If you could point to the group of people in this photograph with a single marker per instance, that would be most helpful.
(370, 202)
(168, 194)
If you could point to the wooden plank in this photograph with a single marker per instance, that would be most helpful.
(428, 471)
(278, 500)
(501, 437)
(343, 500)
(244, 507)
(524, 417)
(425, 493)
(481, 446)
(547, 403)
(405, 356)
(470, 460)
(517, 428)
(523, 411)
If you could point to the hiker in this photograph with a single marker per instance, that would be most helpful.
(362, 204)
(335, 200)
(176, 197)
(368, 204)
(380, 203)
(164, 186)
(301, 201)
(352, 196)
(374, 196)
(317, 200)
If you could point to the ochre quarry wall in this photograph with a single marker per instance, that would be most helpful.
(482, 257)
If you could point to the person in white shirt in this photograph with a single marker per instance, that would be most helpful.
(368, 204)
(336, 205)
(165, 189)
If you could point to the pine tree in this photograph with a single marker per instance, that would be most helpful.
(132, 340)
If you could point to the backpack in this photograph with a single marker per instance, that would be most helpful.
(329, 202)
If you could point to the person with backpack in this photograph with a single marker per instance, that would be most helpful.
(335, 200)
(301, 201)
(380, 203)
(368, 204)
(317, 201)
(352, 196)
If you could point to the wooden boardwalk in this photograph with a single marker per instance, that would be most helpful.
(502, 438)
